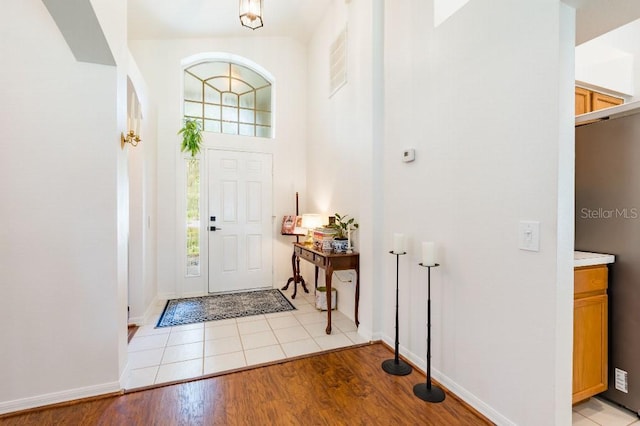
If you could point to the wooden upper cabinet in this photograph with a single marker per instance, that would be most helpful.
(601, 101)
(589, 101)
(583, 100)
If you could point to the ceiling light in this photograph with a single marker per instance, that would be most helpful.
(251, 13)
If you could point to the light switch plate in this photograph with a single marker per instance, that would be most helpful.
(529, 235)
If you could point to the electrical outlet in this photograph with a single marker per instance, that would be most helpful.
(622, 383)
(408, 155)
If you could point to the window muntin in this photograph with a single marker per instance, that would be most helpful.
(228, 98)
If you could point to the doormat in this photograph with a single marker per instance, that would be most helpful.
(223, 306)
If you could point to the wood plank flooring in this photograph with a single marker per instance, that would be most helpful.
(131, 331)
(346, 387)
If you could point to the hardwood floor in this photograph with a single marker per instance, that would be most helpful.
(131, 331)
(337, 388)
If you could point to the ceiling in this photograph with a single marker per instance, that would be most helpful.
(597, 17)
(176, 19)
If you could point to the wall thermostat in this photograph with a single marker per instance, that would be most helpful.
(408, 155)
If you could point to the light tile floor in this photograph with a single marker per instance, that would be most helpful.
(161, 355)
(596, 411)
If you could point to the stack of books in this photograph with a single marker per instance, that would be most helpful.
(323, 238)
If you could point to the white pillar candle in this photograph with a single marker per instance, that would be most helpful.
(428, 253)
(348, 238)
(398, 243)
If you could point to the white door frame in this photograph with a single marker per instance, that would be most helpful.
(198, 285)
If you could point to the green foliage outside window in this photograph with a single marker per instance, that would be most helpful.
(193, 217)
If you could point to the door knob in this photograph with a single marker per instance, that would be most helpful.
(214, 228)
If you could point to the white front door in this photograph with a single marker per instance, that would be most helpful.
(240, 220)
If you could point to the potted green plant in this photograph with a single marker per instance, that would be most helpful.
(343, 226)
(191, 136)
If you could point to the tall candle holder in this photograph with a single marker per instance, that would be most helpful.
(427, 391)
(396, 366)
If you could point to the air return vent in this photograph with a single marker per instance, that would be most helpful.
(338, 62)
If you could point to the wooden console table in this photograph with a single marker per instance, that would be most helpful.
(330, 262)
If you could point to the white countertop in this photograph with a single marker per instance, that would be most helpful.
(583, 258)
(628, 108)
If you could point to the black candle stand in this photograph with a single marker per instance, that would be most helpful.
(427, 391)
(396, 366)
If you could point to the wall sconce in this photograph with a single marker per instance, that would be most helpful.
(131, 138)
(251, 13)
(133, 121)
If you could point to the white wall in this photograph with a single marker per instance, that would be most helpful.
(112, 16)
(159, 62)
(340, 162)
(485, 101)
(142, 207)
(478, 97)
(61, 269)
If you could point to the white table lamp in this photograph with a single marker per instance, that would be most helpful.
(311, 221)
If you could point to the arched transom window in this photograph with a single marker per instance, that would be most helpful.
(228, 98)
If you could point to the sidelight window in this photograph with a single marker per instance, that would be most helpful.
(193, 216)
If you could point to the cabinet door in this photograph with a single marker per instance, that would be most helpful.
(601, 101)
(589, 346)
(583, 100)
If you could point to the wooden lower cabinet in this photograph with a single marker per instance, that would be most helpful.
(590, 348)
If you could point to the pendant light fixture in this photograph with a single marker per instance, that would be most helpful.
(251, 13)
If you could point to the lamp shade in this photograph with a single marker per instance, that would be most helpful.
(251, 13)
(311, 221)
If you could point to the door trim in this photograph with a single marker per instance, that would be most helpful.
(198, 285)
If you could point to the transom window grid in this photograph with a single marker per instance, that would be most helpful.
(234, 100)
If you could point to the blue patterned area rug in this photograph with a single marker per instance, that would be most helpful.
(223, 306)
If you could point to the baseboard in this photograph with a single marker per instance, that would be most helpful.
(138, 321)
(125, 374)
(143, 319)
(468, 397)
(166, 296)
(367, 334)
(375, 336)
(193, 294)
(420, 362)
(151, 308)
(59, 397)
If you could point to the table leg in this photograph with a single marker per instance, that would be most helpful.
(327, 279)
(296, 277)
(293, 267)
(304, 285)
(357, 289)
(316, 278)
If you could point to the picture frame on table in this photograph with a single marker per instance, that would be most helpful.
(291, 225)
